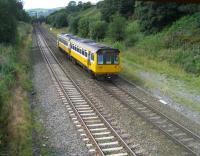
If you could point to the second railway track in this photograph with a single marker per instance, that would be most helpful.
(175, 131)
(100, 137)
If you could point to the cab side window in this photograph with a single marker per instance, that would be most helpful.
(100, 58)
(116, 58)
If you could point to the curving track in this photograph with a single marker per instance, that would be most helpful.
(100, 137)
(175, 131)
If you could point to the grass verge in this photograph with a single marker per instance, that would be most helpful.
(56, 31)
(15, 116)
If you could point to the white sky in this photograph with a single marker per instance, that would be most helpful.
(32, 4)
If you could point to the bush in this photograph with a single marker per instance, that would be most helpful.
(8, 23)
(10, 12)
(110, 7)
(132, 33)
(83, 27)
(13, 74)
(73, 25)
(154, 16)
(117, 28)
(98, 30)
(61, 20)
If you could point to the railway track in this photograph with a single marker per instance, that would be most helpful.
(100, 137)
(175, 131)
(178, 133)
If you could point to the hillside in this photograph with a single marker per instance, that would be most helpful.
(41, 12)
(163, 59)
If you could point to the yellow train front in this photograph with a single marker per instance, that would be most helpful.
(99, 60)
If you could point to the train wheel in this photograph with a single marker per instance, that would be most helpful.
(92, 75)
(74, 61)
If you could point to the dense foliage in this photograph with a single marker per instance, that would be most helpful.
(83, 27)
(61, 18)
(110, 7)
(117, 28)
(154, 16)
(98, 30)
(10, 12)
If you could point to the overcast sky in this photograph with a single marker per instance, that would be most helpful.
(31, 4)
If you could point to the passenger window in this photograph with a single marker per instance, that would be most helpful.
(92, 57)
(100, 59)
(85, 54)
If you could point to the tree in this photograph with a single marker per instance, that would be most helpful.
(83, 27)
(111, 7)
(10, 12)
(98, 30)
(117, 28)
(72, 7)
(73, 25)
(154, 16)
(61, 20)
(8, 24)
(87, 5)
(80, 5)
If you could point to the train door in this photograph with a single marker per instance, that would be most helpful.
(69, 47)
(89, 59)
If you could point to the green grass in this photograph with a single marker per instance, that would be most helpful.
(15, 116)
(56, 31)
(92, 13)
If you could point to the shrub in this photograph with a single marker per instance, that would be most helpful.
(73, 25)
(83, 27)
(110, 7)
(10, 12)
(8, 23)
(61, 20)
(154, 16)
(117, 28)
(132, 33)
(98, 30)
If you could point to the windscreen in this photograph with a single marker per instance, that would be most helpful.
(108, 57)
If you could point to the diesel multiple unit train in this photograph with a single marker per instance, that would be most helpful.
(99, 60)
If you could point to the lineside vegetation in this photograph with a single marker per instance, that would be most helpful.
(15, 44)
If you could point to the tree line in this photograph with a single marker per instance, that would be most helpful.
(152, 17)
(11, 11)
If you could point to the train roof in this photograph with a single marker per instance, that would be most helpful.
(87, 43)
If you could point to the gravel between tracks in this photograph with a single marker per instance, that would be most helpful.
(60, 136)
(150, 139)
